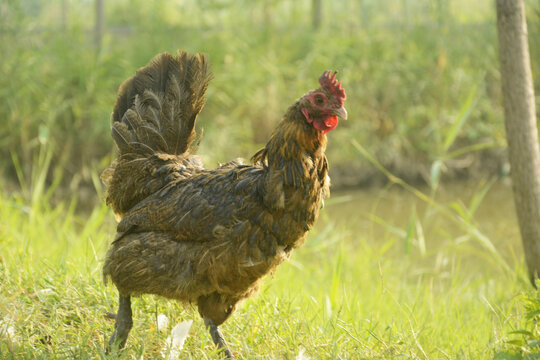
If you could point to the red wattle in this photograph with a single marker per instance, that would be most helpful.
(331, 123)
(326, 124)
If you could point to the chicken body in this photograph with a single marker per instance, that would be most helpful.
(209, 236)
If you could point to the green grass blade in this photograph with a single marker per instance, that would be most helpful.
(478, 197)
(410, 231)
(462, 117)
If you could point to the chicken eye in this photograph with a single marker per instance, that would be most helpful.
(319, 100)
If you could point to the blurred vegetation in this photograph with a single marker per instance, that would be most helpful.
(421, 78)
(424, 104)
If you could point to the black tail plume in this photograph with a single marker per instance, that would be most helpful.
(153, 125)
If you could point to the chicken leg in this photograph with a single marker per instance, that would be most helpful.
(123, 323)
(217, 337)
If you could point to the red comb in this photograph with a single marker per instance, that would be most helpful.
(328, 82)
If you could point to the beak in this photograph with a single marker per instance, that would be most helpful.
(342, 113)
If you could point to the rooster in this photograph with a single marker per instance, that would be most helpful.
(204, 236)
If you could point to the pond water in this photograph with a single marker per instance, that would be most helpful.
(377, 215)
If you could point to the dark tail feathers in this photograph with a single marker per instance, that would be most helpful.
(156, 109)
(153, 124)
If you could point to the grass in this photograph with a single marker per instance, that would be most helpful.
(343, 295)
(525, 341)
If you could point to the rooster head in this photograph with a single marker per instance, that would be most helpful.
(323, 106)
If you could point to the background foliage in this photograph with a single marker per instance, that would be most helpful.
(421, 78)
